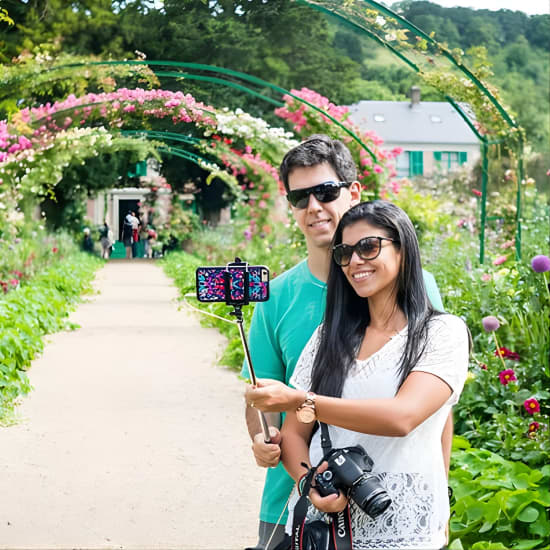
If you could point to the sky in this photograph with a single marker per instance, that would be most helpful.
(530, 7)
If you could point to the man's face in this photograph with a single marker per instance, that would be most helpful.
(318, 221)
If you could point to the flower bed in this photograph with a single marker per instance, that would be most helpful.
(38, 306)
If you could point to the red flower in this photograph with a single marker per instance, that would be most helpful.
(18, 274)
(507, 376)
(55, 249)
(476, 192)
(531, 405)
(483, 366)
(534, 427)
(507, 354)
(14, 282)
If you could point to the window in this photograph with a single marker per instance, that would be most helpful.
(402, 165)
(417, 163)
(379, 118)
(447, 161)
(409, 164)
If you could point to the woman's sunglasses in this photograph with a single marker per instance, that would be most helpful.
(324, 192)
(367, 248)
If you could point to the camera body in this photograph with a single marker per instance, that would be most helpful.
(349, 470)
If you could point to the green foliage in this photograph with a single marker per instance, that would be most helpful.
(181, 267)
(490, 414)
(65, 206)
(277, 250)
(179, 228)
(497, 503)
(39, 306)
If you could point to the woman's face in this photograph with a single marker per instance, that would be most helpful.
(376, 277)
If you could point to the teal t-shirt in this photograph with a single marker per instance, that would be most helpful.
(279, 331)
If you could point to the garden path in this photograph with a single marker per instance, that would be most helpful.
(133, 437)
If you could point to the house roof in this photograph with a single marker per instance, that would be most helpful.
(425, 122)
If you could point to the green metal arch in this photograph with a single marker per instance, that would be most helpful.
(345, 17)
(225, 82)
(337, 12)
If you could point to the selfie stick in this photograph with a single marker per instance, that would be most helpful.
(237, 312)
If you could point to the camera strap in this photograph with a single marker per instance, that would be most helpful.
(319, 535)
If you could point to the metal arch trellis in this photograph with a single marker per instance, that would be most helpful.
(226, 82)
(367, 20)
(376, 20)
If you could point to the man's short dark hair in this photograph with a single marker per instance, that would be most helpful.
(318, 149)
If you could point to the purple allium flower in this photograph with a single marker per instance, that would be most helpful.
(540, 263)
(490, 323)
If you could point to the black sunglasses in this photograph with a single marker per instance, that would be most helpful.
(327, 191)
(367, 248)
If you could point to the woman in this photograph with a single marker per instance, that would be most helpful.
(383, 370)
(105, 240)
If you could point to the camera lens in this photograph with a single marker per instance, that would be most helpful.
(377, 505)
(371, 496)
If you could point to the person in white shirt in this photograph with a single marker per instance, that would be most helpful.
(382, 371)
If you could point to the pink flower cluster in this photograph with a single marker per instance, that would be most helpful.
(11, 143)
(294, 110)
(371, 166)
(113, 106)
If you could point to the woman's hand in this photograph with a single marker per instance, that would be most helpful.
(273, 396)
(331, 503)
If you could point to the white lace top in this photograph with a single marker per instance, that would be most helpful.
(410, 468)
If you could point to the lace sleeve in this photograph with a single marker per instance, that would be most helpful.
(301, 378)
(446, 354)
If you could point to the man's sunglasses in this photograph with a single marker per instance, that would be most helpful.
(324, 192)
(367, 248)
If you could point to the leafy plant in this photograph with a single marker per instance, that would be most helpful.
(498, 504)
(38, 307)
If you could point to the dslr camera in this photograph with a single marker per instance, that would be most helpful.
(349, 470)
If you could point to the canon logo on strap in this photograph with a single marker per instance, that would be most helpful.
(341, 525)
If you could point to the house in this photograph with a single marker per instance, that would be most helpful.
(433, 136)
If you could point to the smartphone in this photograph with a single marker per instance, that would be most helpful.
(232, 283)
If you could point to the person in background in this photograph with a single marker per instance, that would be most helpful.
(127, 232)
(87, 241)
(135, 233)
(105, 239)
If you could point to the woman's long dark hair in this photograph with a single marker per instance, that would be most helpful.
(347, 315)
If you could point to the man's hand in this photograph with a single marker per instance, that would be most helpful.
(267, 455)
(330, 504)
(273, 396)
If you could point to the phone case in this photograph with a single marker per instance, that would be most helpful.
(211, 283)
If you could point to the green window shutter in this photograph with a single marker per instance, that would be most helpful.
(462, 158)
(416, 163)
(140, 170)
(437, 156)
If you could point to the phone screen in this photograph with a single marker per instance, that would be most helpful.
(211, 283)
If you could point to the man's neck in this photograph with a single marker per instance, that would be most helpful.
(318, 261)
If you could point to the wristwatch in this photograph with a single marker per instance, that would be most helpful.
(306, 412)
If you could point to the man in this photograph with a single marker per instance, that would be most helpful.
(319, 176)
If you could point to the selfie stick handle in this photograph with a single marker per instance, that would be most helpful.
(261, 416)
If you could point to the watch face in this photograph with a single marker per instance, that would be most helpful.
(306, 414)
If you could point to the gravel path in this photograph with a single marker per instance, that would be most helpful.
(133, 437)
